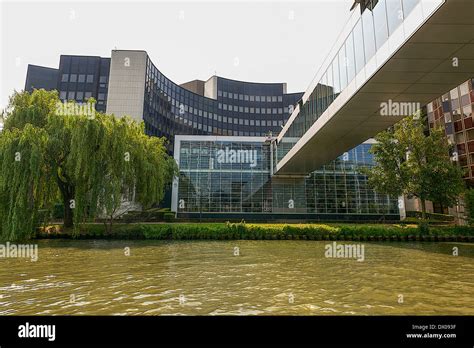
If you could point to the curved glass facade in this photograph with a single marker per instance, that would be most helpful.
(234, 107)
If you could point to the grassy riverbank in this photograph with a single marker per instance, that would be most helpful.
(254, 231)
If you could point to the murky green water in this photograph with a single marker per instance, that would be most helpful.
(268, 277)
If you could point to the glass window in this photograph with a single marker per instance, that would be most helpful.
(369, 38)
(359, 47)
(73, 78)
(280, 98)
(380, 23)
(408, 6)
(90, 78)
(343, 68)
(62, 95)
(257, 98)
(219, 93)
(103, 79)
(330, 85)
(337, 80)
(225, 94)
(464, 88)
(101, 96)
(252, 98)
(65, 78)
(70, 95)
(80, 95)
(82, 78)
(394, 14)
(269, 98)
(350, 58)
(274, 98)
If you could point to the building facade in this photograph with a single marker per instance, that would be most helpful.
(222, 135)
(222, 177)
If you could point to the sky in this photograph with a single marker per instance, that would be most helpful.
(260, 41)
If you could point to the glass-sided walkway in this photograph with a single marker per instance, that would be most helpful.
(390, 51)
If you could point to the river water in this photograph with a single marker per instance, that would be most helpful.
(237, 278)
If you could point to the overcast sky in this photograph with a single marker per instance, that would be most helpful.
(262, 41)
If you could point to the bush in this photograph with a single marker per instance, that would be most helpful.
(168, 217)
(242, 230)
(430, 216)
(423, 228)
(469, 202)
(58, 211)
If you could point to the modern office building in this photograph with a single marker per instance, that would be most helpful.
(77, 78)
(231, 177)
(246, 149)
(221, 132)
(452, 112)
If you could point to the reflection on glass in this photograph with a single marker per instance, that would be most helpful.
(343, 67)
(394, 15)
(350, 58)
(369, 37)
(359, 47)
(337, 81)
(380, 23)
(330, 85)
(408, 6)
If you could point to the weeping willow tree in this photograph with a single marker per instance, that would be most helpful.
(93, 164)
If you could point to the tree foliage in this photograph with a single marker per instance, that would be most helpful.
(92, 163)
(408, 162)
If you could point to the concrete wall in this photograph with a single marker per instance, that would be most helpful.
(210, 88)
(195, 86)
(127, 84)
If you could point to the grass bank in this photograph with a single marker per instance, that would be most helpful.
(254, 231)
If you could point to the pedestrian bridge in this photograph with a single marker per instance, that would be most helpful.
(392, 57)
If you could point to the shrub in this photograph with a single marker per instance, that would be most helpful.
(58, 211)
(469, 202)
(430, 216)
(218, 231)
(168, 217)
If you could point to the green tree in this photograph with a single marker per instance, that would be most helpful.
(409, 162)
(92, 162)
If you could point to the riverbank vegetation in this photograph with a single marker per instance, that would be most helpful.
(53, 152)
(254, 231)
(409, 163)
